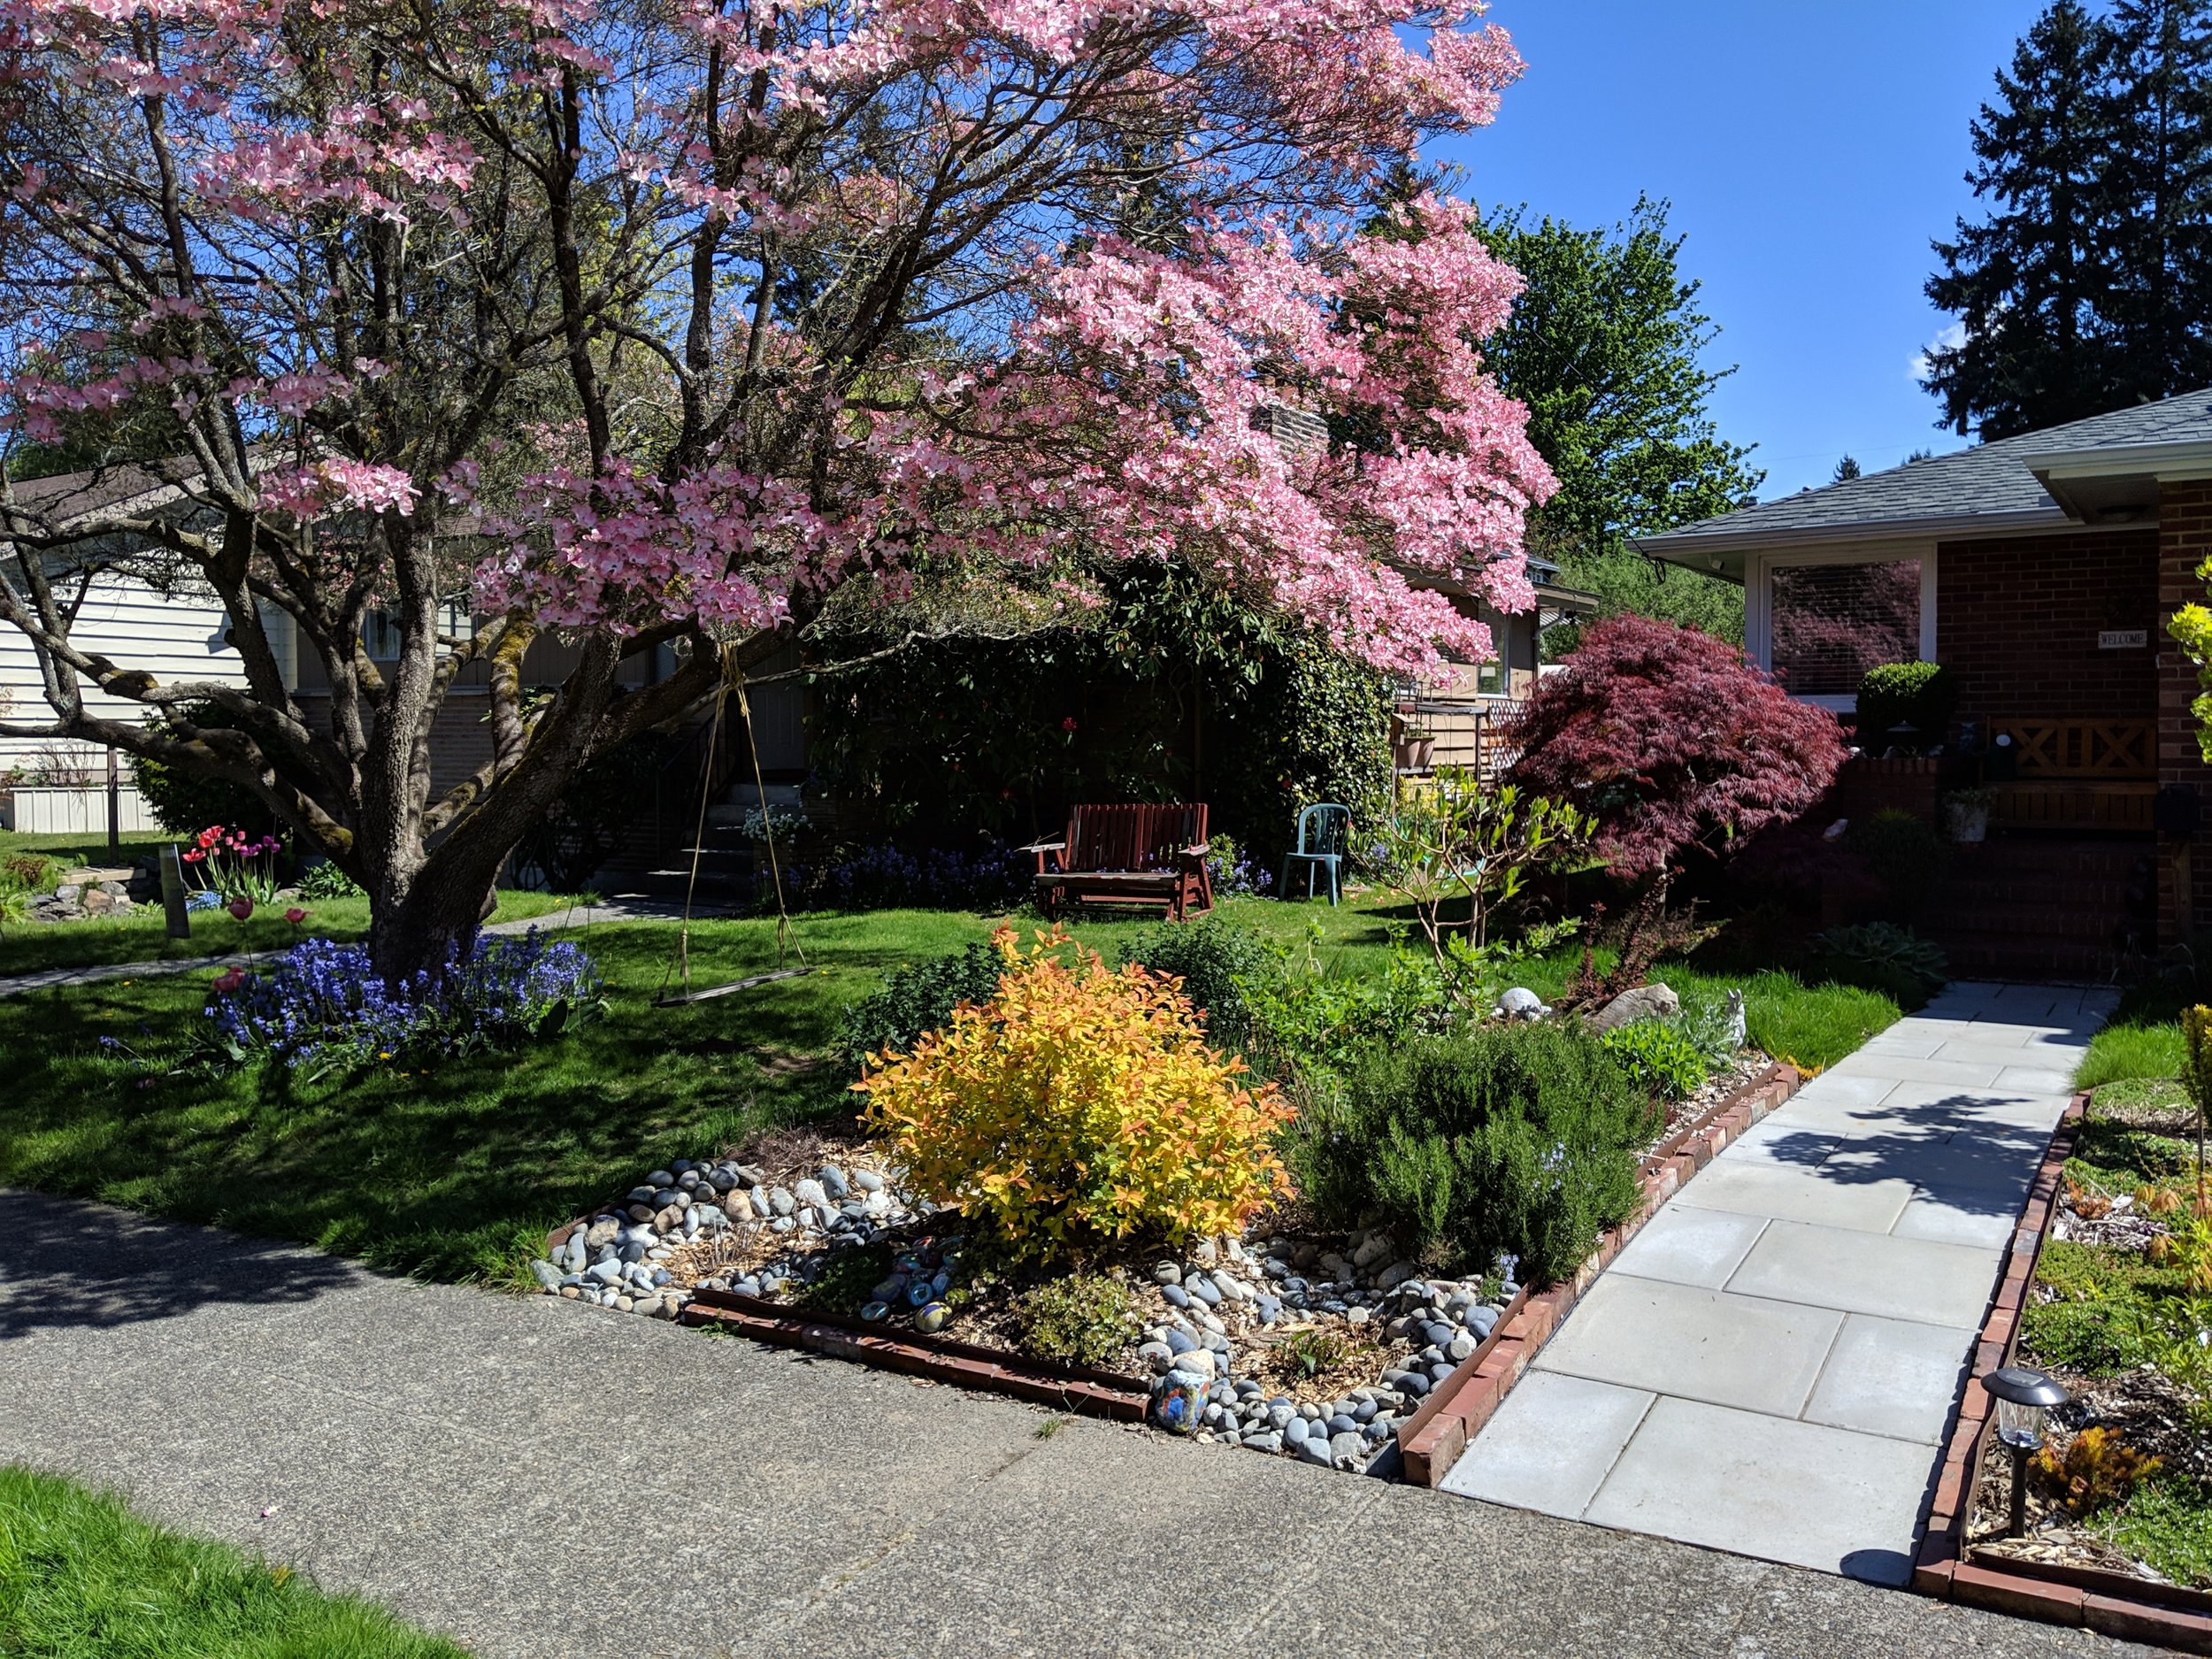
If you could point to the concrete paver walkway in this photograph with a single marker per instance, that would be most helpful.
(547, 1481)
(1770, 1365)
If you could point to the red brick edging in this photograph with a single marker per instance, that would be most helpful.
(2109, 1603)
(1072, 1388)
(1431, 1440)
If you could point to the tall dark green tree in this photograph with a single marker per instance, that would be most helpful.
(2158, 177)
(1607, 347)
(2084, 286)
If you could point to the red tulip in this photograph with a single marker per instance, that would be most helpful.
(229, 980)
(295, 916)
(241, 908)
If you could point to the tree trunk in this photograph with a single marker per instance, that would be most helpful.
(431, 925)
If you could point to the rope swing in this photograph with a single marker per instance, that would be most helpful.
(787, 936)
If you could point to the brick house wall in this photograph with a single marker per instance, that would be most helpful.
(2017, 621)
(2184, 870)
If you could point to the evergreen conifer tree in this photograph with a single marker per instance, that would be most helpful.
(2157, 182)
(2088, 285)
(2028, 284)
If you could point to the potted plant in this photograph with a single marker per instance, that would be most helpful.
(1966, 814)
(1414, 749)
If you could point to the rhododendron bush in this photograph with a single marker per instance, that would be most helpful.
(1670, 738)
(648, 330)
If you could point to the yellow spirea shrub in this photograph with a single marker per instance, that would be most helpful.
(1078, 1105)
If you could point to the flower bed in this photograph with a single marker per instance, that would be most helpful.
(1316, 1347)
(1331, 1348)
(2062, 1570)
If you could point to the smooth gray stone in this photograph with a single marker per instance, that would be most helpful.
(547, 1274)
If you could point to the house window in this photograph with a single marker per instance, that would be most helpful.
(1490, 678)
(380, 629)
(1830, 623)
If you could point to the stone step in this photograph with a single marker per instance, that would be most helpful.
(2006, 956)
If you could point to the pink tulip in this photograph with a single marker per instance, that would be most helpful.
(295, 916)
(241, 908)
(229, 980)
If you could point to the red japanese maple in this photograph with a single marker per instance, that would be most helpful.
(1672, 737)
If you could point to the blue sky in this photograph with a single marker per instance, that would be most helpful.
(1810, 150)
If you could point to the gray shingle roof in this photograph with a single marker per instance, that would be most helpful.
(1989, 480)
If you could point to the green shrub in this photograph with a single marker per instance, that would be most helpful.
(1213, 958)
(916, 998)
(1083, 1318)
(327, 881)
(25, 872)
(1880, 956)
(184, 802)
(2090, 1337)
(1663, 1060)
(1904, 854)
(1519, 1139)
(1313, 1013)
(1918, 695)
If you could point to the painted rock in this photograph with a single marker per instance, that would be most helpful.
(874, 1310)
(922, 1293)
(932, 1320)
(1177, 1402)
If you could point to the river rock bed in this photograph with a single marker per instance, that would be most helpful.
(1308, 1347)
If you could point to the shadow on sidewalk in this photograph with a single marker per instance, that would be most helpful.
(1983, 1168)
(67, 1263)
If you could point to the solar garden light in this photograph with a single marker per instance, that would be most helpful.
(2024, 1398)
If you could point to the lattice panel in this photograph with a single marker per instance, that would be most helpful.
(2085, 749)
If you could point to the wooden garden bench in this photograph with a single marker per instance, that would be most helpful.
(2097, 774)
(1148, 854)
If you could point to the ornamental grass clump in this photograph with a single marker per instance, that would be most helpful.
(1078, 1105)
(323, 1003)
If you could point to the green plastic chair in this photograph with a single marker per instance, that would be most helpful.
(1325, 835)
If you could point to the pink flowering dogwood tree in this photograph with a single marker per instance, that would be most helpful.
(649, 329)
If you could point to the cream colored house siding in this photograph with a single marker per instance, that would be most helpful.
(176, 636)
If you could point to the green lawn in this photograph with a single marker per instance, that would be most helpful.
(82, 1578)
(70, 851)
(458, 1173)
